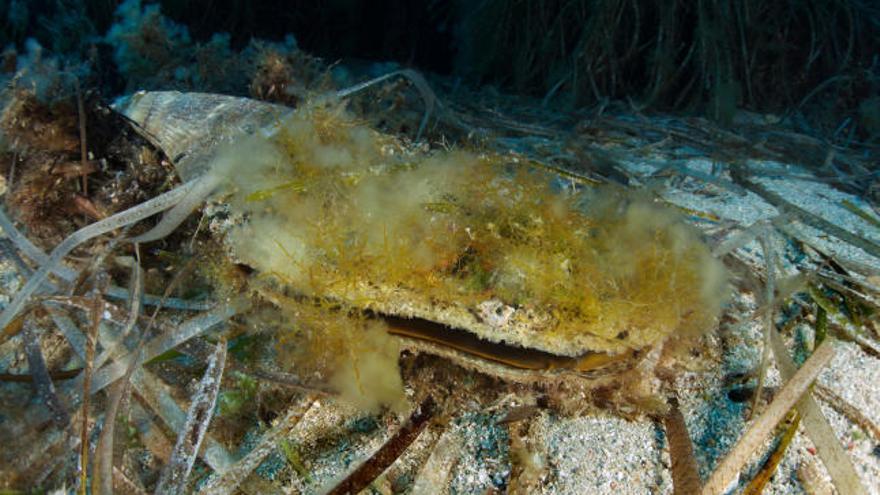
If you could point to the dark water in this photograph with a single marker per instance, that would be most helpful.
(814, 59)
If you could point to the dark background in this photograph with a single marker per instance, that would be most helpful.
(818, 58)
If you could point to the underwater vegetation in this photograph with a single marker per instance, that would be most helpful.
(322, 251)
(799, 58)
(382, 287)
(359, 259)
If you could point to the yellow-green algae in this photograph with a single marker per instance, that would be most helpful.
(335, 210)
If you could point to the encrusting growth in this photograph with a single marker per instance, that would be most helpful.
(328, 208)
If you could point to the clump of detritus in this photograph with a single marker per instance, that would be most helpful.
(69, 164)
(43, 138)
(153, 51)
(282, 73)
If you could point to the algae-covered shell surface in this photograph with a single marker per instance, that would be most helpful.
(479, 242)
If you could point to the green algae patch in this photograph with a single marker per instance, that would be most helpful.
(334, 210)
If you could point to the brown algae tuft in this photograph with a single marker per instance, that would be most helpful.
(329, 209)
